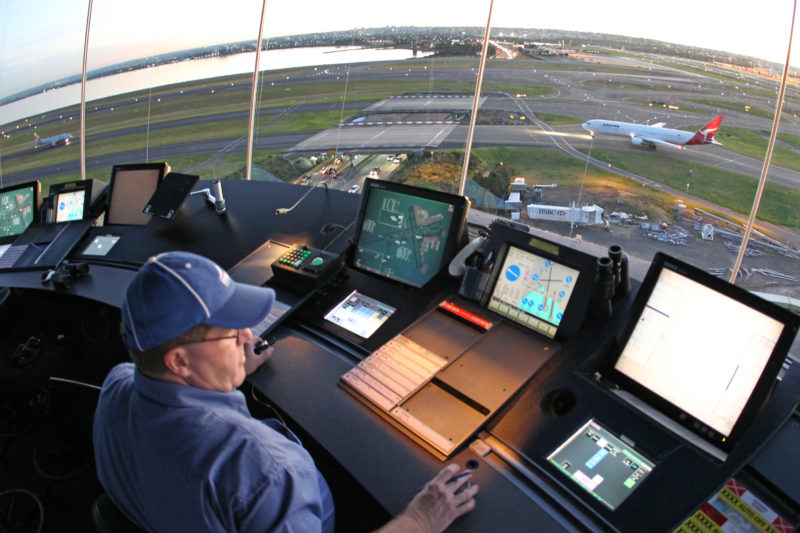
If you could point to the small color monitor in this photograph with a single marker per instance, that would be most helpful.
(130, 189)
(70, 205)
(603, 464)
(19, 208)
(407, 234)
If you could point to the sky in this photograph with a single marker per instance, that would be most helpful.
(43, 40)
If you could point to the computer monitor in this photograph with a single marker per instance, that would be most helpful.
(19, 208)
(407, 234)
(130, 189)
(74, 200)
(533, 289)
(701, 352)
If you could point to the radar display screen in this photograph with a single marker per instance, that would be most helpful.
(407, 236)
(532, 290)
(603, 464)
(17, 209)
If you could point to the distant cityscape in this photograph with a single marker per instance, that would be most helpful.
(442, 41)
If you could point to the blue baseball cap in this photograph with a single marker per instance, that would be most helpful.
(175, 291)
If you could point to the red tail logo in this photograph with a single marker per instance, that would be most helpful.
(705, 135)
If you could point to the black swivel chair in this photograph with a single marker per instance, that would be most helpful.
(109, 519)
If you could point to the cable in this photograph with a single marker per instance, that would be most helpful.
(328, 227)
(284, 210)
(8, 511)
(267, 405)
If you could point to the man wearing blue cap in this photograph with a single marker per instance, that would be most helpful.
(175, 446)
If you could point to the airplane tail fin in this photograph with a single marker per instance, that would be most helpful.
(705, 135)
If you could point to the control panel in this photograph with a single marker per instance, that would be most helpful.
(305, 266)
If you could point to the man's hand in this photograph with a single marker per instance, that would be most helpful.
(254, 360)
(435, 507)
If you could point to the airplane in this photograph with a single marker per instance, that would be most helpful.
(50, 142)
(655, 135)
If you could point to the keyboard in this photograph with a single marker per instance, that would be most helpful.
(11, 255)
(393, 372)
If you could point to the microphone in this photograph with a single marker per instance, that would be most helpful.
(284, 210)
(219, 200)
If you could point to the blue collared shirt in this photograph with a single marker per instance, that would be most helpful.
(179, 458)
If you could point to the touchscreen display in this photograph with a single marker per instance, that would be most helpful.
(532, 290)
(360, 314)
(69, 205)
(600, 462)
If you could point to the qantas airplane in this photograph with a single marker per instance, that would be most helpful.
(655, 135)
(51, 142)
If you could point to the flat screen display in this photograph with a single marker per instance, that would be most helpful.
(19, 208)
(603, 464)
(532, 290)
(407, 234)
(69, 205)
(130, 190)
(703, 351)
(360, 314)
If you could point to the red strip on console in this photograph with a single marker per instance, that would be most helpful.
(470, 318)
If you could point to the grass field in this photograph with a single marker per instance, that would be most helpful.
(727, 189)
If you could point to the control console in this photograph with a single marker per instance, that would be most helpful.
(305, 266)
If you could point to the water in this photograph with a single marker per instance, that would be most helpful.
(197, 69)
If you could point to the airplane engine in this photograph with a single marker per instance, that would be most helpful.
(636, 141)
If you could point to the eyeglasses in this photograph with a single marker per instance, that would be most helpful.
(234, 336)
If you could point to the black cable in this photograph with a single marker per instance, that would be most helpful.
(329, 227)
(259, 401)
(9, 512)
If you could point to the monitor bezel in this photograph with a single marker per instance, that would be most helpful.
(763, 386)
(109, 218)
(457, 229)
(581, 294)
(36, 186)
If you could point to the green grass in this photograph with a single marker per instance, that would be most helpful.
(735, 106)
(788, 138)
(724, 188)
(558, 120)
(631, 86)
(750, 144)
(303, 122)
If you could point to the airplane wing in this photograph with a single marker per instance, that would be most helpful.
(659, 124)
(651, 141)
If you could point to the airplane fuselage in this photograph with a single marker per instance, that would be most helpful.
(626, 129)
(657, 135)
(51, 142)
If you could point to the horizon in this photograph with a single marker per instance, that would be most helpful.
(121, 33)
(66, 80)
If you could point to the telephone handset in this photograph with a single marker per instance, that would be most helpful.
(459, 263)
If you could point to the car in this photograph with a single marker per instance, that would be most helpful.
(375, 171)
(390, 157)
(331, 171)
(323, 170)
(397, 160)
(305, 180)
(353, 188)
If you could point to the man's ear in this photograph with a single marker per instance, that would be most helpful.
(177, 362)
